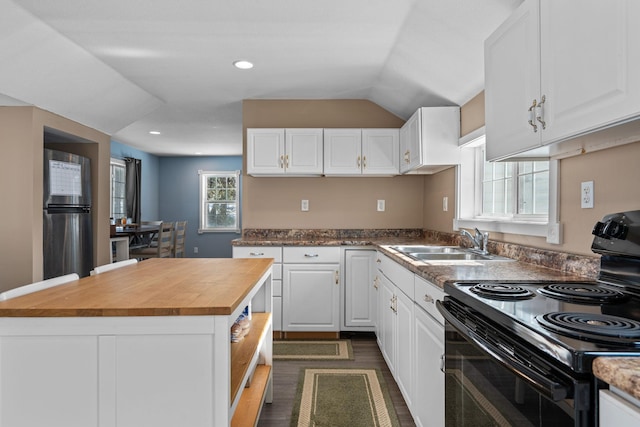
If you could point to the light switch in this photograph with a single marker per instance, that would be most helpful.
(380, 205)
(304, 206)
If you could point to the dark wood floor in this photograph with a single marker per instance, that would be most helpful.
(286, 374)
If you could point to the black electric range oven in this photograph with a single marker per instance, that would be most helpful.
(520, 353)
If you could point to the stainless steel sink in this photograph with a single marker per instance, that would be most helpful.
(423, 249)
(446, 253)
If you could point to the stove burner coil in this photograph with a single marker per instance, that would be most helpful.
(593, 327)
(501, 291)
(587, 293)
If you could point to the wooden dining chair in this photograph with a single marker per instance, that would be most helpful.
(163, 247)
(179, 237)
(38, 286)
(112, 266)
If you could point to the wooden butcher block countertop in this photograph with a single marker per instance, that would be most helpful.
(154, 287)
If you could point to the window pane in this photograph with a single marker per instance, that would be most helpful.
(525, 191)
(541, 193)
(220, 207)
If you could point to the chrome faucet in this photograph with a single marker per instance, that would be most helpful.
(479, 240)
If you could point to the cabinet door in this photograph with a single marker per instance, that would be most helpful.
(342, 151)
(512, 83)
(616, 411)
(404, 345)
(265, 151)
(590, 64)
(380, 151)
(387, 321)
(310, 297)
(303, 151)
(428, 394)
(360, 297)
(410, 143)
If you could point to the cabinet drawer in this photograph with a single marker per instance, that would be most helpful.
(426, 295)
(311, 254)
(274, 252)
(400, 276)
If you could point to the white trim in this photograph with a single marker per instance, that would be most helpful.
(468, 189)
(201, 202)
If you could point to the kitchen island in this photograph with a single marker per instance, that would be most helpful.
(144, 345)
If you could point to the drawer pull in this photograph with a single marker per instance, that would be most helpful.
(311, 255)
(337, 277)
(256, 253)
(428, 298)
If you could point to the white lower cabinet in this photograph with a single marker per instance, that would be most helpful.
(387, 321)
(395, 323)
(405, 346)
(428, 392)
(311, 289)
(360, 297)
(617, 411)
(274, 252)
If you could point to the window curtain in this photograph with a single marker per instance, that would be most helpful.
(133, 171)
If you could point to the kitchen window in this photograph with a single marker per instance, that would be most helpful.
(219, 201)
(516, 197)
(118, 193)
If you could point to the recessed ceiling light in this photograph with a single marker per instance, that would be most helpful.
(243, 65)
(154, 132)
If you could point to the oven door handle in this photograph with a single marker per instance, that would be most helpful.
(551, 389)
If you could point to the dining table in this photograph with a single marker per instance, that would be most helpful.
(138, 234)
(144, 344)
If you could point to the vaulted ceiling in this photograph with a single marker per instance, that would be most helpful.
(127, 67)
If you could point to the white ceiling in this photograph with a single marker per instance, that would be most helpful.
(127, 67)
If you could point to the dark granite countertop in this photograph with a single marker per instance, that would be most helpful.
(620, 372)
(528, 264)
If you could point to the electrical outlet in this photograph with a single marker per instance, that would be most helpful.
(586, 195)
(195, 249)
(304, 206)
(445, 204)
(380, 205)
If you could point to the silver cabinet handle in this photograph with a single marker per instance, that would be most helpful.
(281, 162)
(337, 278)
(358, 162)
(540, 115)
(428, 298)
(532, 115)
(256, 253)
(442, 363)
(311, 255)
(364, 162)
(378, 260)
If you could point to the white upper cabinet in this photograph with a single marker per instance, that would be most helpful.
(555, 70)
(343, 151)
(349, 152)
(284, 152)
(429, 140)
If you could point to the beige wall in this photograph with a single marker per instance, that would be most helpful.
(615, 173)
(21, 139)
(334, 202)
(472, 114)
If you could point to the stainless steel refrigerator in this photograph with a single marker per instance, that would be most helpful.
(67, 231)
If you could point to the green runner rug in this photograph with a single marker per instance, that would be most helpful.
(342, 397)
(313, 350)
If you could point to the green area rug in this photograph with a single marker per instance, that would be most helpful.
(313, 350)
(343, 397)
